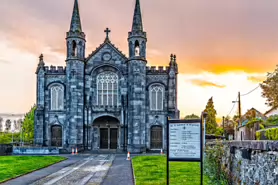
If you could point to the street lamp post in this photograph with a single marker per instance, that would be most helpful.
(204, 115)
(12, 136)
(21, 134)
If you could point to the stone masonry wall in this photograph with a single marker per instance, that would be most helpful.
(252, 162)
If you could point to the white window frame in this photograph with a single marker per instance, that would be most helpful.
(157, 88)
(109, 79)
(56, 94)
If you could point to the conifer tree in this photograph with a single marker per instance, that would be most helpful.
(211, 124)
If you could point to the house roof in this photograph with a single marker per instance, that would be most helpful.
(273, 108)
(244, 120)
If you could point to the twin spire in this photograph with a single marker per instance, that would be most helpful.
(75, 25)
(137, 24)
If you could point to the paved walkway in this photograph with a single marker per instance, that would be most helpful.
(89, 171)
(120, 173)
(86, 169)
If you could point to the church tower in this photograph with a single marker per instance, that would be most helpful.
(172, 86)
(75, 78)
(137, 38)
(137, 83)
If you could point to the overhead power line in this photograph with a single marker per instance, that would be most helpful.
(251, 91)
(234, 103)
(247, 94)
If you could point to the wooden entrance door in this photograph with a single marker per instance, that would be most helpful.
(156, 137)
(104, 138)
(113, 138)
(56, 136)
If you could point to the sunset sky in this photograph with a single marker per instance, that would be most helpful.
(222, 47)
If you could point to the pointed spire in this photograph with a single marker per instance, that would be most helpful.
(41, 62)
(137, 24)
(75, 25)
(172, 60)
(173, 63)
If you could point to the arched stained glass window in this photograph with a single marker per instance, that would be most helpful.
(156, 97)
(107, 89)
(57, 97)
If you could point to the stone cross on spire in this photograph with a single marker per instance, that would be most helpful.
(107, 31)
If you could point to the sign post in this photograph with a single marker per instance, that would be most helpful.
(185, 142)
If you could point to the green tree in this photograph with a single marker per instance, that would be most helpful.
(272, 120)
(28, 125)
(219, 131)
(192, 116)
(270, 88)
(211, 124)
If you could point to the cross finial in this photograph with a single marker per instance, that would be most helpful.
(107, 31)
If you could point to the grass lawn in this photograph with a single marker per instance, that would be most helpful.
(13, 166)
(151, 170)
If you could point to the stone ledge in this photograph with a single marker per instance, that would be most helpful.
(252, 144)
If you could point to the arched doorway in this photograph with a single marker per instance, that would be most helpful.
(108, 131)
(156, 137)
(56, 136)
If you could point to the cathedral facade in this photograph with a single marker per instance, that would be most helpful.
(107, 100)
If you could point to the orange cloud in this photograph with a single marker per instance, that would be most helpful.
(256, 79)
(220, 65)
(218, 38)
(204, 83)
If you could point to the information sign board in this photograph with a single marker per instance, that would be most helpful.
(185, 141)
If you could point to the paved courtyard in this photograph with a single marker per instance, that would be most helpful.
(82, 170)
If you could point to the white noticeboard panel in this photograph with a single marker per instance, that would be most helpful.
(185, 141)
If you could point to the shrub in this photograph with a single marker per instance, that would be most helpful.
(6, 138)
(258, 135)
(217, 172)
(270, 134)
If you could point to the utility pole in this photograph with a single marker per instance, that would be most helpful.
(239, 108)
(223, 120)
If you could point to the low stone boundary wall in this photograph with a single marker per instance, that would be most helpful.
(6, 149)
(35, 151)
(251, 162)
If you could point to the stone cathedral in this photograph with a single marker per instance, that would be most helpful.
(106, 101)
